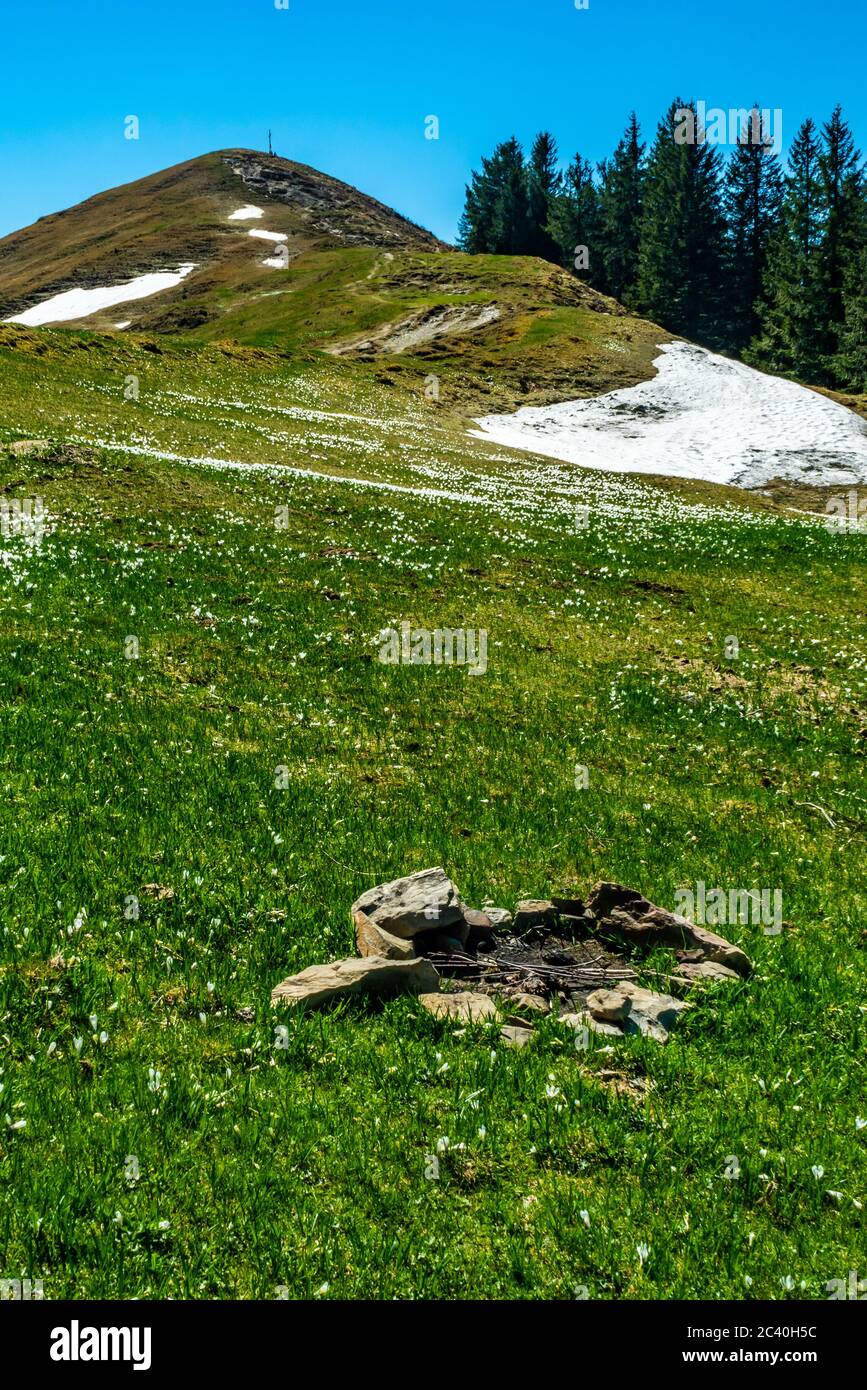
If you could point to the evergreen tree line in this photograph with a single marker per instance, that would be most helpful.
(744, 254)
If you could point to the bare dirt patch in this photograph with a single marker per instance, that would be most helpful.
(442, 321)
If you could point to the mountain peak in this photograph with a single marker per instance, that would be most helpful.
(188, 215)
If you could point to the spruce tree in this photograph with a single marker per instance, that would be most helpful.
(752, 196)
(682, 232)
(850, 363)
(544, 183)
(620, 202)
(496, 215)
(791, 338)
(475, 227)
(841, 190)
(574, 222)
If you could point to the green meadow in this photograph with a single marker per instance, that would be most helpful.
(203, 763)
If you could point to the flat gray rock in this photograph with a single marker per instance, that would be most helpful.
(463, 1005)
(691, 972)
(515, 1037)
(374, 976)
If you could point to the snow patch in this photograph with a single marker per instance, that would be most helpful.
(245, 214)
(124, 324)
(78, 303)
(267, 236)
(702, 416)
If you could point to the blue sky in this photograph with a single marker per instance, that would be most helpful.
(345, 85)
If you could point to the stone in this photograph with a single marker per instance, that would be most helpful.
(605, 896)
(374, 941)
(594, 1025)
(498, 917)
(480, 930)
(690, 972)
(624, 1085)
(535, 912)
(477, 920)
(464, 1005)
(518, 999)
(640, 923)
(610, 1005)
(158, 892)
(426, 901)
(513, 1036)
(650, 1013)
(373, 976)
(534, 984)
(24, 448)
(718, 951)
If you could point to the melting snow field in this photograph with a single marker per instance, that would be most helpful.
(77, 304)
(268, 236)
(702, 416)
(245, 214)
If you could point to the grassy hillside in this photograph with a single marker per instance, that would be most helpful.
(359, 277)
(553, 337)
(181, 215)
(154, 1140)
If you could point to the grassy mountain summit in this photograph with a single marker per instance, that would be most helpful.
(182, 214)
(350, 276)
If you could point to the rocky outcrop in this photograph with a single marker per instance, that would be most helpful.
(27, 448)
(339, 212)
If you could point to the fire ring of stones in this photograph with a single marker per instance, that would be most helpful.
(561, 956)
